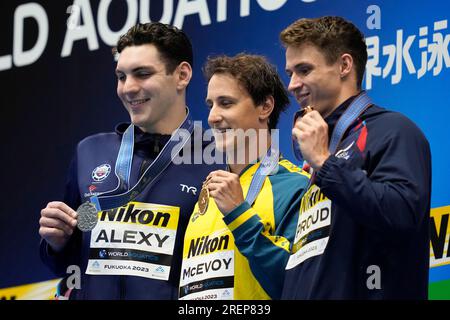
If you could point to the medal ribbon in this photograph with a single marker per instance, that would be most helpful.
(354, 110)
(123, 167)
(267, 166)
(125, 158)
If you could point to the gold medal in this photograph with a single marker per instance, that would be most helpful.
(203, 200)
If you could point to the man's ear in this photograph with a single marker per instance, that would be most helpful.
(266, 109)
(346, 65)
(184, 75)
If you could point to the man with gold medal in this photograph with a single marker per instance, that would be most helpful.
(238, 239)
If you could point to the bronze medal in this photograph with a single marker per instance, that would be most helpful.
(307, 109)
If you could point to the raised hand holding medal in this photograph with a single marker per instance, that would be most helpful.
(57, 224)
(225, 188)
(311, 134)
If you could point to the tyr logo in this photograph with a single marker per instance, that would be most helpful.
(188, 189)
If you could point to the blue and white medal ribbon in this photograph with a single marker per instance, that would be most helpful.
(171, 149)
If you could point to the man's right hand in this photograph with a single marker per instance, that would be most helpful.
(311, 133)
(57, 224)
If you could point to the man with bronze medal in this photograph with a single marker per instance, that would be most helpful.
(237, 242)
(362, 232)
(130, 195)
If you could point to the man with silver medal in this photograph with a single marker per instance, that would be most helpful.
(119, 182)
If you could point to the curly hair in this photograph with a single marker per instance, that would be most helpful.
(334, 36)
(256, 75)
(173, 44)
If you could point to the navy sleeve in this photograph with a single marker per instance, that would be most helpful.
(393, 192)
(70, 255)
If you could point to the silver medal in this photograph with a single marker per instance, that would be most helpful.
(87, 216)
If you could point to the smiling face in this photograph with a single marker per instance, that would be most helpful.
(148, 93)
(231, 107)
(313, 81)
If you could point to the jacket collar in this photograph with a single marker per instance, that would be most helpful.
(152, 142)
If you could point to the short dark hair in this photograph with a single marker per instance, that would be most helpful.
(173, 44)
(256, 75)
(334, 36)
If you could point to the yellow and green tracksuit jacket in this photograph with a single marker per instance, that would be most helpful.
(243, 255)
